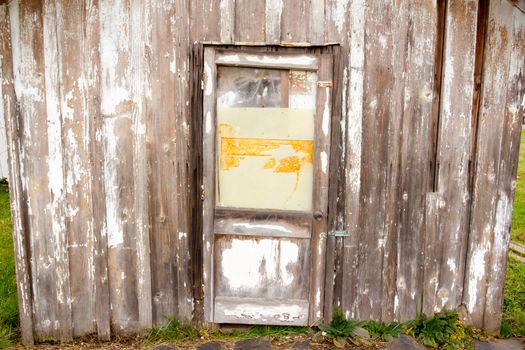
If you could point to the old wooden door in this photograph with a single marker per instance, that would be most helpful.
(265, 167)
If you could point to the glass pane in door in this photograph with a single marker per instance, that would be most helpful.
(265, 138)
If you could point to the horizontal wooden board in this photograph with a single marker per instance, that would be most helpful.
(286, 312)
(306, 62)
(266, 223)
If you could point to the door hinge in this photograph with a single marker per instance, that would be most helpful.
(336, 233)
(326, 84)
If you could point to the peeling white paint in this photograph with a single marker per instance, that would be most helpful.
(283, 313)
(326, 112)
(324, 162)
(208, 122)
(355, 107)
(451, 264)
(262, 226)
(112, 186)
(274, 9)
(208, 84)
(263, 260)
(262, 60)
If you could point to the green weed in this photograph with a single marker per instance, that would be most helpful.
(444, 331)
(340, 329)
(384, 331)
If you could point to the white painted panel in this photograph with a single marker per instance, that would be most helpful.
(261, 311)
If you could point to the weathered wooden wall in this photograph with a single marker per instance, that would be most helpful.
(96, 98)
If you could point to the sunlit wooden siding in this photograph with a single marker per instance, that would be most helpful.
(97, 106)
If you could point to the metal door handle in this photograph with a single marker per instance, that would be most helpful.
(318, 215)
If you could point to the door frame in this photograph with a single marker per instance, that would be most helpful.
(321, 283)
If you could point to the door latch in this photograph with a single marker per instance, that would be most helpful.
(336, 233)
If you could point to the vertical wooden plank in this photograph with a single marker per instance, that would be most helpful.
(453, 152)
(208, 182)
(56, 172)
(197, 58)
(432, 252)
(390, 241)
(206, 20)
(487, 159)
(183, 142)
(335, 185)
(10, 113)
(416, 176)
(353, 99)
(163, 192)
(337, 30)
(316, 23)
(78, 215)
(336, 24)
(250, 21)
(227, 22)
(273, 12)
(91, 68)
(513, 116)
(294, 21)
(42, 186)
(117, 109)
(169, 128)
(140, 80)
(377, 113)
(320, 195)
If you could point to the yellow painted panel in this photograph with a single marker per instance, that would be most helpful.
(265, 158)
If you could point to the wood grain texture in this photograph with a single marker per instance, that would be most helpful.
(273, 13)
(208, 181)
(288, 312)
(196, 105)
(47, 231)
(140, 80)
(56, 172)
(91, 64)
(295, 19)
(208, 25)
(228, 18)
(272, 268)
(488, 156)
(117, 107)
(266, 223)
(183, 140)
(433, 251)
(335, 183)
(374, 172)
(105, 126)
(352, 135)
(10, 113)
(453, 157)
(75, 125)
(163, 191)
(250, 21)
(416, 153)
(393, 279)
(320, 191)
(512, 117)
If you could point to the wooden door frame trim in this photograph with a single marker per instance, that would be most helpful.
(207, 127)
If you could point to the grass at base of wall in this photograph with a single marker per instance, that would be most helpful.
(513, 323)
(518, 213)
(8, 294)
